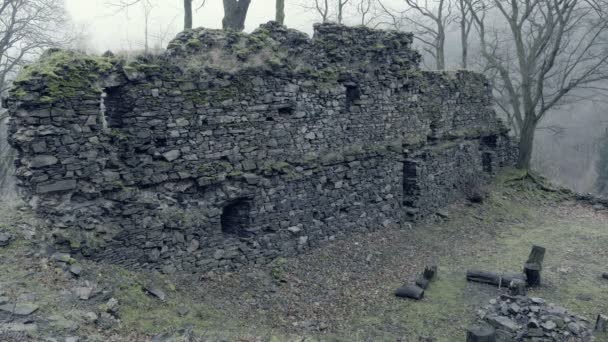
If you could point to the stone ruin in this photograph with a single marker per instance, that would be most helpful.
(522, 318)
(232, 148)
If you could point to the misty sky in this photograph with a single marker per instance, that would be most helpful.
(105, 29)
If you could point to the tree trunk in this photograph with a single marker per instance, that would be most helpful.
(280, 13)
(441, 49)
(481, 333)
(187, 14)
(496, 279)
(532, 271)
(235, 13)
(410, 291)
(463, 34)
(526, 143)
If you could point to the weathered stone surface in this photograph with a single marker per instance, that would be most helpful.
(20, 309)
(226, 151)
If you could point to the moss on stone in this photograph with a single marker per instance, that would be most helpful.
(63, 74)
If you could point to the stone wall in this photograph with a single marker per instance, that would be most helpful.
(236, 148)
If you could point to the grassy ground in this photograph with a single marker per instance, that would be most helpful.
(343, 292)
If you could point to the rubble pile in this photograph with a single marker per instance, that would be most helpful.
(522, 318)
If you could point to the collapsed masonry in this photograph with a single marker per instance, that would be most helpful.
(236, 148)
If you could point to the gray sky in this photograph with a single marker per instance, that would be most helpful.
(107, 29)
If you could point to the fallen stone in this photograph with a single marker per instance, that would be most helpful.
(19, 327)
(5, 239)
(76, 270)
(72, 339)
(83, 293)
(63, 185)
(23, 309)
(183, 311)
(90, 317)
(500, 322)
(549, 325)
(605, 275)
(155, 291)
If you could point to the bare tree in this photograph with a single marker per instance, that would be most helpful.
(280, 12)
(235, 13)
(465, 23)
(540, 53)
(428, 19)
(364, 8)
(341, 5)
(125, 4)
(319, 6)
(27, 27)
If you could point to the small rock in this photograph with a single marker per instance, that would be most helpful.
(549, 325)
(83, 293)
(183, 311)
(76, 269)
(294, 229)
(537, 300)
(584, 297)
(155, 291)
(90, 317)
(72, 339)
(3, 300)
(605, 275)
(574, 328)
(442, 213)
(5, 239)
(112, 305)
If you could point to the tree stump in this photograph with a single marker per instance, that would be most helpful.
(430, 272)
(537, 255)
(410, 291)
(517, 287)
(532, 271)
(423, 282)
(601, 324)
(481, 333)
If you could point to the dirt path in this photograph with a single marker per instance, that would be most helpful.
(344, 291)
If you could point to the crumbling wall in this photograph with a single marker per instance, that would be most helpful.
(233, 148)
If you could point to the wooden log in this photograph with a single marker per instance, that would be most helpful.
(423, 282)
(517, 287)
(410, 291)
(492, 278)
(481, 332)
(532, 271)
(430, 272)
(601, 324)
(537, 255)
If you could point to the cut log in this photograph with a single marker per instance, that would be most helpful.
(423, 282)
(601, 324)
(430, 272)
(532, 271)
(537, 255)
(517, 287)
(410, 291)
(492, 278)
(481, 332)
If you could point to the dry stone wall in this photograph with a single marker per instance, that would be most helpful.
(235, 148)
